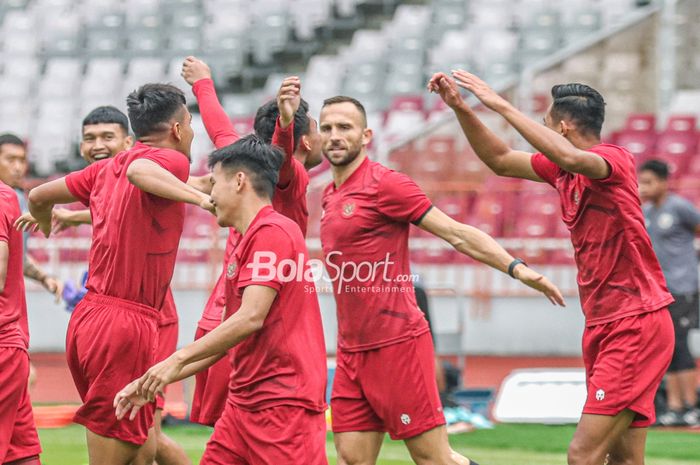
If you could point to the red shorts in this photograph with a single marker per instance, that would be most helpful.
(210, 389)
(391, 389)
(167, 344)
(18, 437)
(111, 342)
(283, 435)
(625, 361)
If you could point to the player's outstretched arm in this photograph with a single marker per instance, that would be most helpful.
(255, 305)
(482, 247)
(553, 145)
(288, 102)
(494, 152)
(41, 201)
(216, 121)
(201, 183)
(150, 177)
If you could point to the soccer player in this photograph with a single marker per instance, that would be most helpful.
(105, 133)
(13, 169)
(673, 222)
(135, 201)
(628, 339)
(289, 199)
(383, 335)
(18, 437)
(273, 331)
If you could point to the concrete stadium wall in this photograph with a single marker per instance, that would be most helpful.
(509, 326)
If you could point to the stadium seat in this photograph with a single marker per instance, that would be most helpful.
(682, 123)
(640, 144)
(642, 122)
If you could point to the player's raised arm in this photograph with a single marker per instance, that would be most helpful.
(288, 102)
(42, 199)
(552, 143)
(216, 121)
(494, 152)
(150, 177)
(482, 247)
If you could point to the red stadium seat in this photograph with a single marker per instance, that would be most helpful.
(457, 205)
(641, 144)
(407, 103)
(682, 123)
(642, 122)
(677, 149)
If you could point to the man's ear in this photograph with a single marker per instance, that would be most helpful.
(367, 136)
(305, 144)
(176, 130)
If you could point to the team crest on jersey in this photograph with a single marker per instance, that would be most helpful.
(348, 209)
(231, 269)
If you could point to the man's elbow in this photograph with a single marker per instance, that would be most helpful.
(36, 198)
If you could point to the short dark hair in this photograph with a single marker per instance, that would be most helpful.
(346, 99)
(11, 139)
(266, 118)
(658, 167)
(582, 104)
(107, 115)
(151, 106)
(254, 156)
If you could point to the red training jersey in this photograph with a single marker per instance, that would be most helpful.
(364, 234)
(135, 234)
(284, 363)
(214, 308)
(290, 192)
(618, 272)
(14, 330)
(168, 312)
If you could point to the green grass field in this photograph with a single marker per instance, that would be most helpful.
(503, 445)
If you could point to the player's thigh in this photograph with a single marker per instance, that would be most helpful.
(358, 447)
(629, 449)
(595, 435)
(104, 450)
(430, 447)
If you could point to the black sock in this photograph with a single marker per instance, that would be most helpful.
(471, 462)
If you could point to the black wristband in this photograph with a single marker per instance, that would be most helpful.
(512, 266)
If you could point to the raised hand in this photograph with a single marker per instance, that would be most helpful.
(446, 88)
(194, 69)
(533, 279)
(480, 89)
(289, 99)
(128, 401)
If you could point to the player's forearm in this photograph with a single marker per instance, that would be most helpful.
(43, 198)
(554, 146)
(283, 137)
(216, 121)
(152, 178)
(80, 217)
(481, 247)
(201, 183)
(34, 271)
(228, 334)
(487, 145)
(194, 368)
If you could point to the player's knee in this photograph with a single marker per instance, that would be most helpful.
(577, 454)
(619, 459)
(433, 457)
(347, 456)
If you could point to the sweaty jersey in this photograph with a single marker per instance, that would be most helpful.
(135, 234)
(364, 234)
(618, 273)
